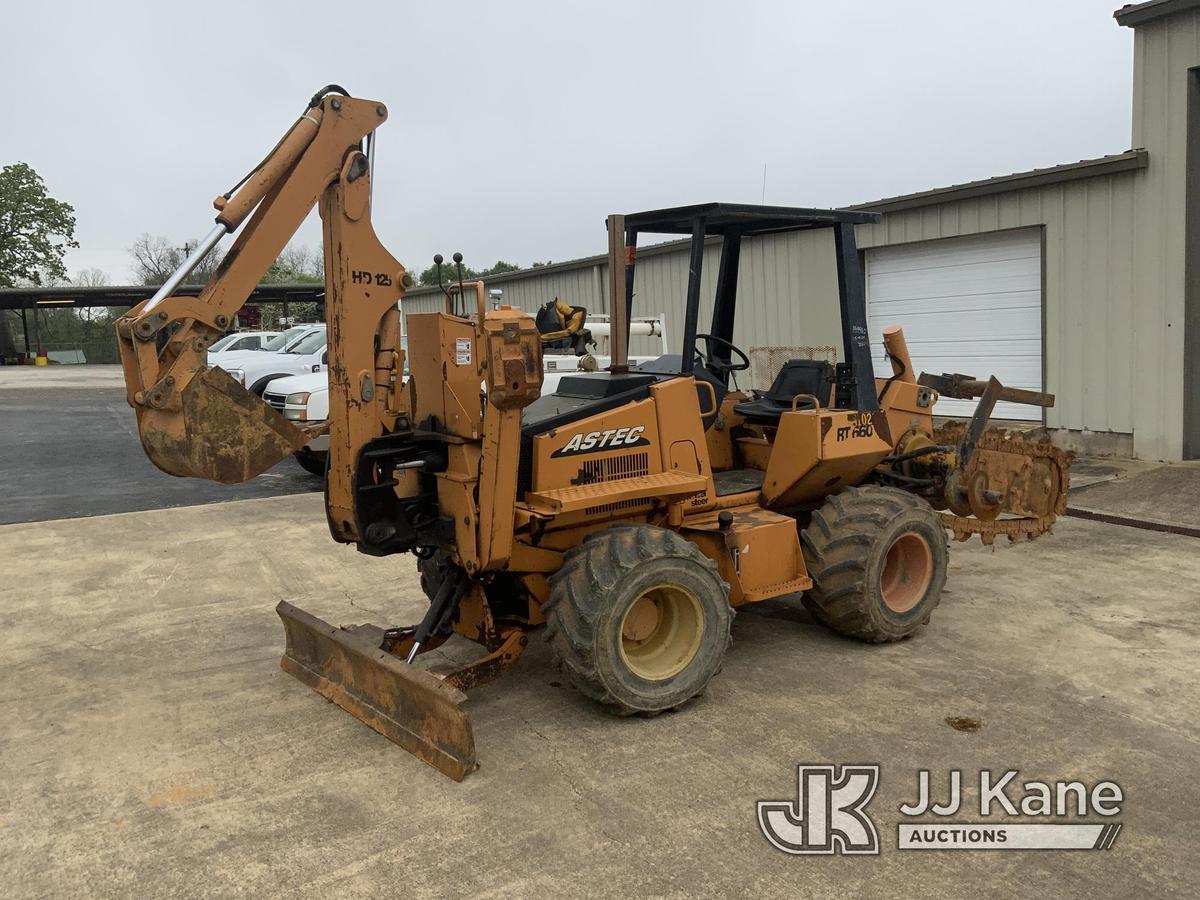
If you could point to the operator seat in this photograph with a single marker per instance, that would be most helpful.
(798, 376)
(558, 319)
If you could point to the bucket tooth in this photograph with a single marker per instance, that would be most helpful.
(405, 704)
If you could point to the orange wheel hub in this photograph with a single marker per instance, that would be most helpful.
(907, 572)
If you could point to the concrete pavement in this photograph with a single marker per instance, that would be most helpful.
(150, 744)
(14, 378)
(1152, 492)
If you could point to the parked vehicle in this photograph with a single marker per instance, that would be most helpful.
(304, 398)
(228, 358)
(306, 354)
(239, 340)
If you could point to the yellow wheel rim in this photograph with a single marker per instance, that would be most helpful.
(661, 632)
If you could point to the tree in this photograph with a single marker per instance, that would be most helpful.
(96, 320)
(90, 278)
(500, 267)
(450, 272)
(155, 258)
(297, 264)
(35, 229)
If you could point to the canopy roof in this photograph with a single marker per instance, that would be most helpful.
(743, 218)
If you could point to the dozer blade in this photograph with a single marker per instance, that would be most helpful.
(407, 705)
(222, 432)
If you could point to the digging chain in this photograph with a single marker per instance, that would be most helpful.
(1016, 528)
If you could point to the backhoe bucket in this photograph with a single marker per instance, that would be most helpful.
(222, 432)
(405, 704)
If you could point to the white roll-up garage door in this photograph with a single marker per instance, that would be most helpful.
(971, 305)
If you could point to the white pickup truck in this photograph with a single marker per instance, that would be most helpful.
(228, 356)
(305, 398)
(305, 355)
(239, 340)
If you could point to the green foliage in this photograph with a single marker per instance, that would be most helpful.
(89, 329)
(35, 229)
(500, 267)
(449, 274)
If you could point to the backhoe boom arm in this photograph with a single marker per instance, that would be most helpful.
(198, 422)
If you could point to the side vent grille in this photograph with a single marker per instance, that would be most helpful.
(631, 465)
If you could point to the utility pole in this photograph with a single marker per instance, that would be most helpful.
(186, 250)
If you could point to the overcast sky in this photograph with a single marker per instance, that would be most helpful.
(516, 127)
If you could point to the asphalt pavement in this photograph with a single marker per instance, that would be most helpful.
(69, 448)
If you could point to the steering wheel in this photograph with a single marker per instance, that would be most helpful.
(721, 365)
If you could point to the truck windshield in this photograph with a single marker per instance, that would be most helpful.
(224, 342)
(280, 341)
(310, 344)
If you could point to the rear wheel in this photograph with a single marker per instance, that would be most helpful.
(877, 557)
(638, 618)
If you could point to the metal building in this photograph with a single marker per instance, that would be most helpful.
(1081, 279)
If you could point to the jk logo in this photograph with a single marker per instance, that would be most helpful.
(827, 815)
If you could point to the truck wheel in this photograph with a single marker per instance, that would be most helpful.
(638, 619)
(877, 557)
(312, 462)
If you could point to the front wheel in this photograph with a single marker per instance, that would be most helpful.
(311, 462)
(638, 618)
(877, 557)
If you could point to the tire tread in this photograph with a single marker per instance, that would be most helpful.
(579, 593)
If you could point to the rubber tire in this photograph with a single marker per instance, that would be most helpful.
(845, 545)
(313, 463)
(589, 595)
